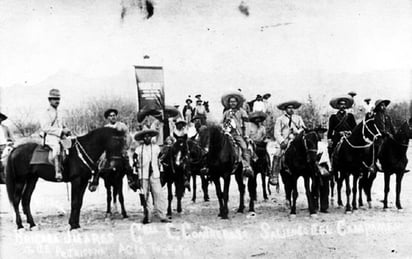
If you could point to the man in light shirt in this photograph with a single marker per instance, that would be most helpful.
(287, 126)
(148, 167)
(54, 130)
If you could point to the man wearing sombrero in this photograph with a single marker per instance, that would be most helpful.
(54, 130)
(188, 110)
(148, 167)
(382, 119)
(287, 126)
(341, 123)
(234, 119)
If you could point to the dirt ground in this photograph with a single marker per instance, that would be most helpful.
(199, 233)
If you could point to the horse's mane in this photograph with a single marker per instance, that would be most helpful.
(103, 131)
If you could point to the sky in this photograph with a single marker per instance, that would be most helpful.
(289, 48)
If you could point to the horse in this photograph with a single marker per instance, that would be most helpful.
(222, 163)
(174, 164)
(393, 159)
(301, 160)
(355, 155)
(113, 178)
(261, 166)
(196, 162)
(79, 166)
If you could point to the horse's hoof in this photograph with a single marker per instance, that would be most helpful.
(348, 211)
(76, 230)
(34, 228)
(251, 215)
(125, 216)
(369, 205)
(239, 211)
(292, 216)
(225, 217)
(21, 230)
(400, 210)
(313, 215)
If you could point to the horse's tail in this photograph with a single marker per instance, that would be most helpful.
(10, 176)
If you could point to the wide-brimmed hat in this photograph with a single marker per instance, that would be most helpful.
(293, 103)
(180, 120)
(142, 114)
(54, 93)
(140, 135)
(267, 96)
(188, 100)
(259, 115)
(198, 96)
(237, 95)
(346, 98)
(380, 101)
(108, 111)
(3, 117)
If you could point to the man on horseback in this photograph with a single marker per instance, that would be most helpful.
(341, 123)
(180, 132)
(384, 123)
(287, 126)
(54, 131)
(6, 145)
(234, 119)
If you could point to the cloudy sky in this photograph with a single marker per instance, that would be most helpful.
(288, 48)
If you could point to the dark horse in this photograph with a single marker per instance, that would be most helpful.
(393, 159)
(21, 177)
(301, 160)
(222, 162)
(261, 166)
(113, 179)
(197, 162)
(174, 163)
(356, 155)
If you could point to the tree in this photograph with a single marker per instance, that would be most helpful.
(310, 113)
(399, 112)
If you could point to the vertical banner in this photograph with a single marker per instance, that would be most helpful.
(150, 88)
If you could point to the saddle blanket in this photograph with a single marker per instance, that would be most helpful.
(42, 156)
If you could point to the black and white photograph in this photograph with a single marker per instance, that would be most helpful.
(205, 129)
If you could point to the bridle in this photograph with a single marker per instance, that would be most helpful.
(305, 144)
(367, 140)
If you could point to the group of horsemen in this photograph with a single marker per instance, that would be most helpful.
(235, 116)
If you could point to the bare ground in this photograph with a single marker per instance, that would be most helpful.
(199, 233)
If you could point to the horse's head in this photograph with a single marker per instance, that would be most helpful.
(114, 148)
(180, 150)
(310, 140)
(404, 132)
(370, 131)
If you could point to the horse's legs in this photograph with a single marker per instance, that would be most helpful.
(332, 187)
(17, 195)
(78, 187)
(219, 195)
(309, 195)
(399, 177)
(295, 195)
(254, 180)
(108, 196)
(121, 198)
(362, 186)
(252, 193)
(115, 193)
(347, 182)
(354, 191)
(386, 189)
(368, 189)
(241, 186)
(27, 193)
(339, 182)
(226, 196)
(194, 187)
(169, 198)
(263, 177)
(205, 184)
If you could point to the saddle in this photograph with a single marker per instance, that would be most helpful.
(42, 155)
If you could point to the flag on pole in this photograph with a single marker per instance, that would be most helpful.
(150, 87)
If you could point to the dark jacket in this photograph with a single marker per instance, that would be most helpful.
(384, 123)
(340, 122)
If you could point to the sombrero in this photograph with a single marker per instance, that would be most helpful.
(188, 100)
(180, 120)
(380, 101)
(140, 135)
(237, 95)
(293, 103)
(2, 117)
(267, 96)
(54, 93)
(107, 112)
(143, 113)
(335, 101)
(259, 115)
